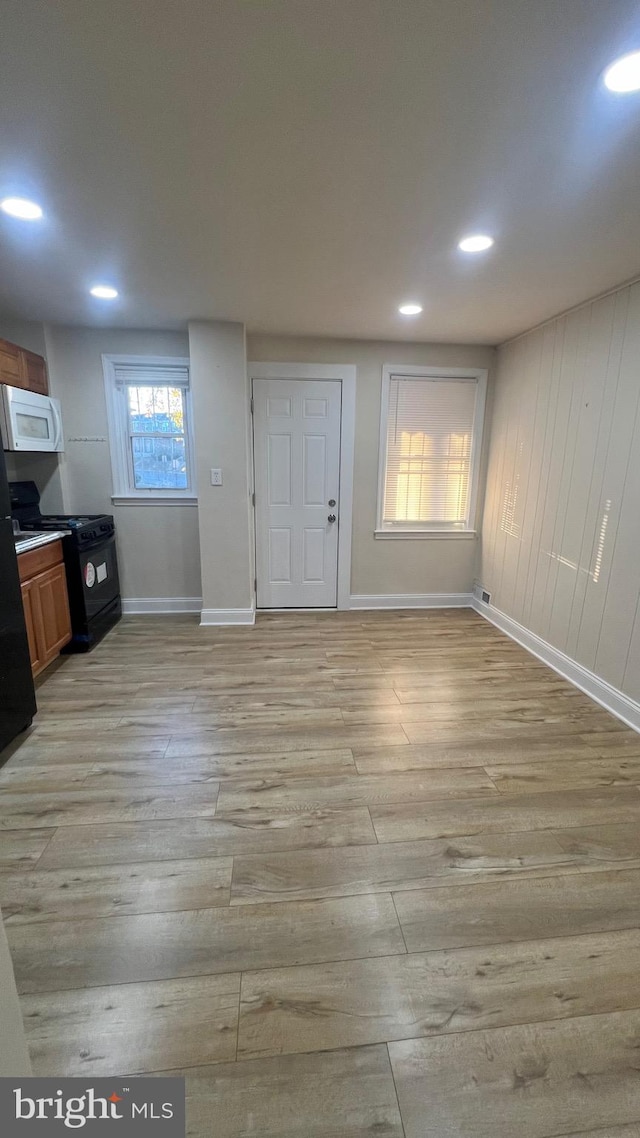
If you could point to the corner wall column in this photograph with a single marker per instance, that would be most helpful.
(222, 433)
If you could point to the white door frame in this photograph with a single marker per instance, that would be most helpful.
(346, 373)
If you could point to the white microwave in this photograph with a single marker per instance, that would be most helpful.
(29, 421)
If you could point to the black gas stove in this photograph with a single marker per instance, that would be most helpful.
(84, 530)
(90, 561)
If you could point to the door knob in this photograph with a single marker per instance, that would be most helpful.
(331, 518)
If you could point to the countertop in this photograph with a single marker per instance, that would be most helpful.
(33, 539)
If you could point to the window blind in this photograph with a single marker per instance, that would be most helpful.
(428, 455)
(154, 375)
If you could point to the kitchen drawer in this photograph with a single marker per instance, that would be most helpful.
(36, 561)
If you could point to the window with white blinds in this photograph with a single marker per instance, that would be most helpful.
(149, 427)
(429, 450)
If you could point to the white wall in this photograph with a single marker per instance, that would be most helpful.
(221, 416)
(158, 546)
(431, 565)
(27, 334)
(561, 534)
(44, 470)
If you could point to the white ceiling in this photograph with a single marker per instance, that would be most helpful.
(307, 165)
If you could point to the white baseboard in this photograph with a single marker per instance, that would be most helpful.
(227, 616)
(161, 604)
(411, 601)
(592, 685)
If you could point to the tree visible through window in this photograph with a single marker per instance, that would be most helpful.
(149, 411)
(157, 437)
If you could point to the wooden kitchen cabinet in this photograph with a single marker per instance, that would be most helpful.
(21, 368)
(31, 620)
(52, 606)
(35, 373)
(11, 367)
(46, 603)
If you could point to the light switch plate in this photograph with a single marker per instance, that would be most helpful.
(216, 476)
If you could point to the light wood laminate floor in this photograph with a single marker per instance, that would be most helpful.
(351, 873)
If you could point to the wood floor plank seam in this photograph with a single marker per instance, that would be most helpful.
(91, 823)
(183, 857)
(540, 873)
(520, 1070)
(456, 883)
(489, 944)
(587, 1016)
(368, 809)
(380, 813)
(48, 843)
(491, 780)
(225, 815)
(445, 1027)
(351, 960)
(606, 1131)
(399, 922)
(403, 954)
(238, 1016)
(325, 1051)
(395, 1086)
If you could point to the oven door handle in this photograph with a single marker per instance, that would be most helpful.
(99, 543)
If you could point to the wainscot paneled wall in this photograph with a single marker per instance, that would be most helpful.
(561, 536)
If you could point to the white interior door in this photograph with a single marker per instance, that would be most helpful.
(296, 428)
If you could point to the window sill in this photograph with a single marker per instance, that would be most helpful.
(120, 500)
(424, 534)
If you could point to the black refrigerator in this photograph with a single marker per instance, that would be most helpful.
(17, 693)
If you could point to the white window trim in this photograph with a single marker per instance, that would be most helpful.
(123, 493)
(418, 534)
(415, 371)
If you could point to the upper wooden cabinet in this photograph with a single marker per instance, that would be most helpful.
(35, 373)
(21, 368)
(11, 366)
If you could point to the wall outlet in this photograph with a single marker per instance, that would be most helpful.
(216, 476)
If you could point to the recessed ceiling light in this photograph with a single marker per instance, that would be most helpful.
(624, 75)
(477, 243)
(22, 208)
(410, 309)
(104, 292)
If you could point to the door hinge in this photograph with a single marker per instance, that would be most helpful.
(253, 499)
(255, 584)
(252, 404)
